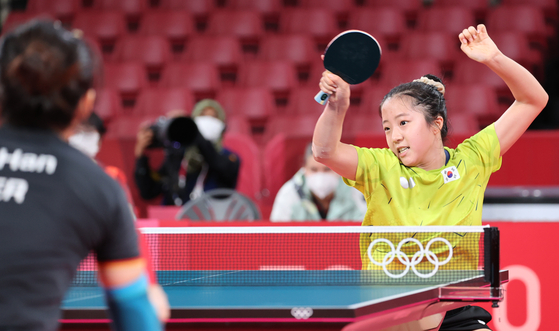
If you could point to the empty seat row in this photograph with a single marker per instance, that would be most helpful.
(281, 78)
(318, 22)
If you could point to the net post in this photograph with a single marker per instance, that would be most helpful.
(492, 261)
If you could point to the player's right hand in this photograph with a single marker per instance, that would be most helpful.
(143, 140)
(337, 88)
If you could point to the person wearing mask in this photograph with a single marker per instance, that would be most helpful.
(316, 193)
(187, 171)
(56, 204)
(87, 138)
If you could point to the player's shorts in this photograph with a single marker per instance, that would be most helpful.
(466, 318)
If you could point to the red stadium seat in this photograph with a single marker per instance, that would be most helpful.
(256, 105)
(278, 76)
(320, 23)
(440, 46)
(462, 124)
(479, 7)
(471, 72)
(446, 19)
(247, 25)
(403, 71)
(549, 7)
(292, 126)
(238, 124)
(302, 101)
(132, 9)
(517, 46)
(372, 96)
(202, 78)
(127, 78)
(126, 127)
(471, 98)
(341, 8)
(282, 157)
(104, 26)
(250, 173)
(63, 10)
(298, 49)
(270, 10)
(474, 99)
(175, 25)
(242, 23)
(525, 19)
(356, 123)
(160, 101)
(410, 7)
(200, 9)
(153, 51)
(224, 51)
(107, 104)
(16, 18)
(261, 6)
(386, 22)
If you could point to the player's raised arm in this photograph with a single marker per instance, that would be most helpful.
(530, 97)
(327, 147)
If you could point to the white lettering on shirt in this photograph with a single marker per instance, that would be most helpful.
(13, 188)
(27, 162)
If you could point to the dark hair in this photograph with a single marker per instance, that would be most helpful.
(97, 123)
(430, 100)
(44, 71)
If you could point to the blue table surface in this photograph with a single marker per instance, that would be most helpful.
(188, 293)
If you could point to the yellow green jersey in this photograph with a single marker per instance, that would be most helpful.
(398, 195)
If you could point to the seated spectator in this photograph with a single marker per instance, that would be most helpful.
(317, 193)
(190, 169)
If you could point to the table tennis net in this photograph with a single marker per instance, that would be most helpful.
(282, 255)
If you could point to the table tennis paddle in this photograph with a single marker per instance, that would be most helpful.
(353, 55)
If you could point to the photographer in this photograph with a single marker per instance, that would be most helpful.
(188, 168)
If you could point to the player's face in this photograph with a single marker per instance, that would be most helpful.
(409, 136)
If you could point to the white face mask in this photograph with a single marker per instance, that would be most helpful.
(322, 183)
(86, 142)
(210, 127)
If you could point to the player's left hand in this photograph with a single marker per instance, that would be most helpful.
(477, 44)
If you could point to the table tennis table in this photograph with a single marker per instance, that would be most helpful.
(312, 306)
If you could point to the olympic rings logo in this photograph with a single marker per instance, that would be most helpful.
(405, 260)
(302, 312)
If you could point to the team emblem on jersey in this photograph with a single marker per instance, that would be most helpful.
(450, 174)
(407, 183)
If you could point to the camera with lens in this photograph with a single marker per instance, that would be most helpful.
(167, 131)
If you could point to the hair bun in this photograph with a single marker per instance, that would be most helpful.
(438, 85)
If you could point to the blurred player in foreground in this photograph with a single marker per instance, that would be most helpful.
(56, 205)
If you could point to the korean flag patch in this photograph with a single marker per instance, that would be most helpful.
(450, 174)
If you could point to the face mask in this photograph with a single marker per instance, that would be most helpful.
(86, 142)
(210, 127)
(322, 183)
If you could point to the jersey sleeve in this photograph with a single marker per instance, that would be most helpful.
(485, 145)
(120, 240)
(367, 171)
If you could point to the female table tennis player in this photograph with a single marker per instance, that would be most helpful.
(448, 184)
(55, 203)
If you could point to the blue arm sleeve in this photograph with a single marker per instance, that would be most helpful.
(130, 307)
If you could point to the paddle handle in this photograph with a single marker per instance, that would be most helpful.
(322, 97)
